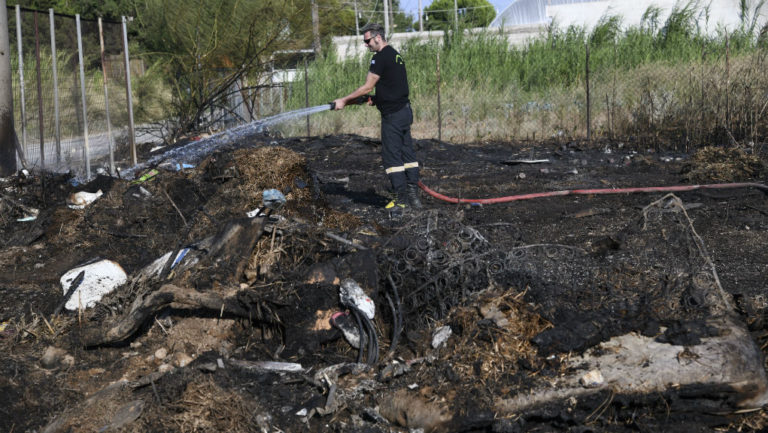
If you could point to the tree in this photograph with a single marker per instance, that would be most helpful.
(206, 46)
(88, 9)
(472, 13)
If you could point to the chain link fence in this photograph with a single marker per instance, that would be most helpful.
(71, 90)
(718, 99)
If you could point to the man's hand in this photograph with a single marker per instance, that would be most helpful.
(338, 104)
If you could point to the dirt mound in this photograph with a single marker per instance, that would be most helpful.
(722, 164)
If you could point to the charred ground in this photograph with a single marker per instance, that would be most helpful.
(524, 286)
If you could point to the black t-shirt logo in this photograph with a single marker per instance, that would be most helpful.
(399, 60)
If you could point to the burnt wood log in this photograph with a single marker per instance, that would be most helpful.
(238, 304)
(227, 253)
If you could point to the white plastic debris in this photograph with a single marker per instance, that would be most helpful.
(142, 193)
(154, 269)
(352, 294)
(290, 367)
(592, 379)
(27, 218)
(100, 278)
(254, 213)
(345, 323)
(525, 161)
(441, 336)
(79, 200)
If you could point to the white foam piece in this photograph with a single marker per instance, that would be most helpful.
(100, 278)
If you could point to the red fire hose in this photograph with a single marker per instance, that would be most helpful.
(676, 188)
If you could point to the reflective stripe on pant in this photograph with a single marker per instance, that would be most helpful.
(397, 150)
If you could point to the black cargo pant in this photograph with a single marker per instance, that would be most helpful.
(397, 150)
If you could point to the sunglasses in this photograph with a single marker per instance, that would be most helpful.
(365, 41)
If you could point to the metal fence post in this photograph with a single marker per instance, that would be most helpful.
(727, 84)
(55, 71)
(439, 111)
(131, 127)
(86, 150)
(306, 93)
(589, 114)
(110, 142)
(7, 135)
(40, 120)
(21, 80)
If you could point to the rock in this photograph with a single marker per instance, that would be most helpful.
(181, 359)
(161, 353)
(52, 357)
(592, 379)
(441, 336)
(164, 368)
(68, 361)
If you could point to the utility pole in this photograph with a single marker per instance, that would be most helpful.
(7, 135)
(386, 19)
(456, 15)
(357, 23)
(315, 28)
(421, 23)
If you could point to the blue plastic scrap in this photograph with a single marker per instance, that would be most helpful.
(180, 257)
(273, 198)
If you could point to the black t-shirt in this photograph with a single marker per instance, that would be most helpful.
(392, 87)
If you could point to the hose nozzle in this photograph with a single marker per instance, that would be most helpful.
(360, 100)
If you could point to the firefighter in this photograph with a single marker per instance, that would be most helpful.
(388, 76)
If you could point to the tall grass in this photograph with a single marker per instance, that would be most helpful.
(669, 82)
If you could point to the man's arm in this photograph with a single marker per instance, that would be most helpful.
(370, 84)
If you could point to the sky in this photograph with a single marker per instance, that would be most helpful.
(412, 6)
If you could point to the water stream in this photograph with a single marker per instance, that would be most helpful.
(195, 151)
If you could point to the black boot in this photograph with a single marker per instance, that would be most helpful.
(413, 196)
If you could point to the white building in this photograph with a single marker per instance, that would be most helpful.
(711, 15)
(523, 20)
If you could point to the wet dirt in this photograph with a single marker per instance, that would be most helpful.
(524, 286)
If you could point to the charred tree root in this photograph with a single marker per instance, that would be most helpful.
(244, 303)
